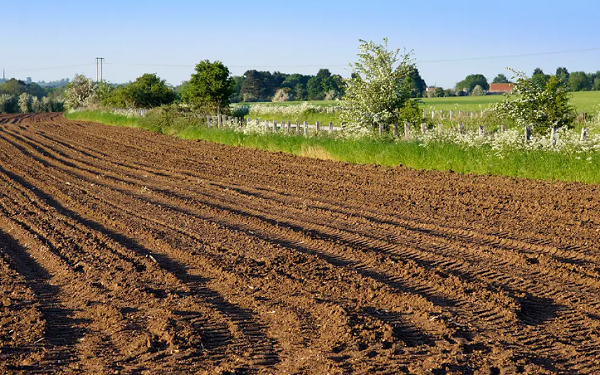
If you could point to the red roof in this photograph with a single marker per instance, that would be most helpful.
(501, 87)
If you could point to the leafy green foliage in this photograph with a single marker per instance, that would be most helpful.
(500, 78)
(80, 92)
(468, 84)
(147, 91)
(209, 88)
(379, 88)
(541, 107)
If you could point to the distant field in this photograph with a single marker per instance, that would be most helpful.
(588, 101)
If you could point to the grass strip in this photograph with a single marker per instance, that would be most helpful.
(541, 165)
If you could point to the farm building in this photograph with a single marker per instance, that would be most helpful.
(500, 88)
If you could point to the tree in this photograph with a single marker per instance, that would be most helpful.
(314, 89)
(8, 103)
(418, 85)
(468, 84)
(500, 78)
(478, 91)
(149, 91)
(209, 88)
(539, 78)
(380, 88)
(282, 95)
(299, 92)
(562, 74)
(253, 86)
(545, 107)
(578, 81)
(80, 92)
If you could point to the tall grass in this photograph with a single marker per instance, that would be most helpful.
(435, 156)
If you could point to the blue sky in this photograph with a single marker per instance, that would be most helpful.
(44, 39)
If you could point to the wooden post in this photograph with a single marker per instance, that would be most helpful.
(440, 128)
(275, 126)
(330, 127)
(461, 113)
(381, 128)
(423, 127)
(553, 136)
(424, 113)
(584, 134)
(218, 120)
(289, 126)
(266, 126)
(208, 121)
(305, 127)
(527, 133)
(318, 124)
(407, 130)
(451, 114)
(432, 114)
(461, 128)
(481, 130)
(472, 114)
(395, 126)
(297, 126)
(503, 128)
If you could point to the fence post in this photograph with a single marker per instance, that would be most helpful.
(440, 128)
(423, 127)
(266, 127)
(406, 130)
(451, 114)
(275, 126)
(330, 127)
(461, 113)
(208, 121)
(318, 124)
(503, 128)
(395, 126)
(553, 136)
(381, 128)
(424, 113)
(481, 130)
(432, 114)
(218, 120)
(305, 127)
(461, 128)
(584, 134)
(297, 126)
(289, 126)
(527, 133)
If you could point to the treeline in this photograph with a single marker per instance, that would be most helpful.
(17, 96)
(263, 86)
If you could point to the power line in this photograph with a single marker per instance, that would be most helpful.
(512, 56)
(48, 68)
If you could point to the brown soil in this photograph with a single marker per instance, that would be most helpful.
(128, 252)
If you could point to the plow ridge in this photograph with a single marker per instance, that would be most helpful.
(141, 252)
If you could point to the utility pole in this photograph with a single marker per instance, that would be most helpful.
(101, 60)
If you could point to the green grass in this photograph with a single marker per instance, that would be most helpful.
(438, 156)
(104, 118)
(585, 101)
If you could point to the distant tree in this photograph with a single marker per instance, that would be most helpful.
(236, 89)
(539, 78)
(13, 87)
(8, 103)
(209, 88)
(468, 84)
(449, 92)
(299, 92)
(417, 84)
(578, 81)
(381, 88)
(253, 88)
(562, 74)
(25, 103)
(477, 91)
(596, 84)
(314, 89)
(500, 78)
(282, 95)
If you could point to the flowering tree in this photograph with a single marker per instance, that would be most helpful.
(541, 106)
(379, 88)
(80, 92)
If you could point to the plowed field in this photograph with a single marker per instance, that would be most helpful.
(127, 252)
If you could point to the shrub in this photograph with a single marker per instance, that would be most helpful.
(540, 106)
(282, 95)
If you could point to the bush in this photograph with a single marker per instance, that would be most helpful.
(540, 106)
(282, 95)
